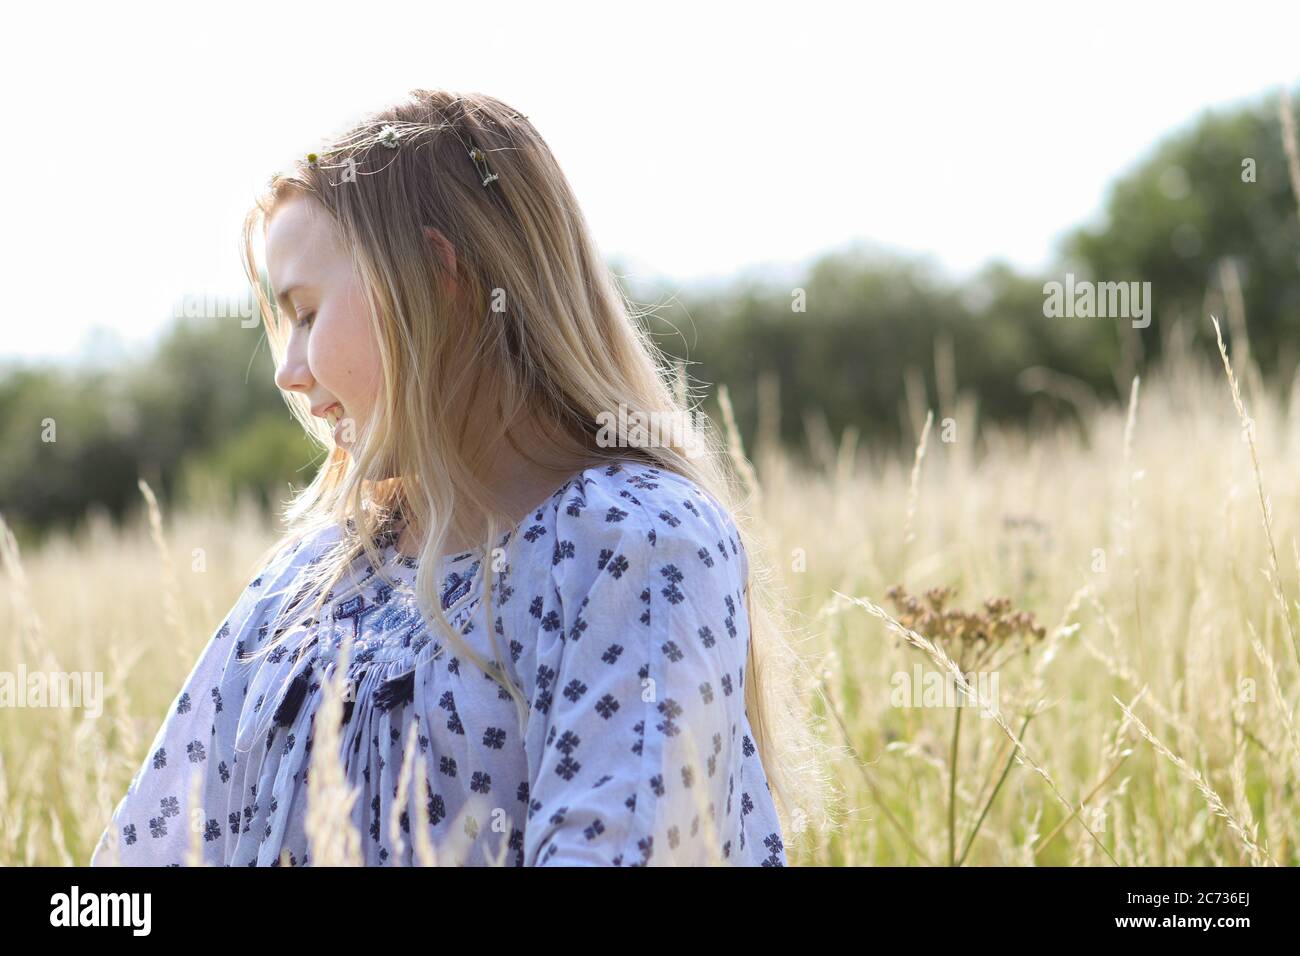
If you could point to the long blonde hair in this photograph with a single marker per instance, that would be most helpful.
(538, 331)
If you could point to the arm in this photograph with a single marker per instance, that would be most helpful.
(633, 739)
(154, 822)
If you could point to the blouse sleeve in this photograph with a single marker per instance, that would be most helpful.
(154, 822)
(633, 749)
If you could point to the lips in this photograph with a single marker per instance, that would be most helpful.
(332, 413)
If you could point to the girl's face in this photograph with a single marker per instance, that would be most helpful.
(331, 356)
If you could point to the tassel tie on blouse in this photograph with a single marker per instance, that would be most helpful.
(391, 693)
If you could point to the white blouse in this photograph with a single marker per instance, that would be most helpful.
(622, 620)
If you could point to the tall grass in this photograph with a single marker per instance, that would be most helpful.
(1155, 724)
(1162, 705)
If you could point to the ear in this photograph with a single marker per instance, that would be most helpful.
(446, 251)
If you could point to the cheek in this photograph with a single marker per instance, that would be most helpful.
(344, 358)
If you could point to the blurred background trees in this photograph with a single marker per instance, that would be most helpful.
(862, 341)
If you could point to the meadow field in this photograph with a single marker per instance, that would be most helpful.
(1152, 696)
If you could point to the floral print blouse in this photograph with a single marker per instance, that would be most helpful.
(620, 616)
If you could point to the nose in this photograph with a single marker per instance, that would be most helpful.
(294, 375)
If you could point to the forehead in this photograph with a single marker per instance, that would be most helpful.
(299, 233)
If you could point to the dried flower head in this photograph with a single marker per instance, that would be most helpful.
(974, 640)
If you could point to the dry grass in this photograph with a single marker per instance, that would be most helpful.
(1154, 725)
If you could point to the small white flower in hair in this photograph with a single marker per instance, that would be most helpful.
(477, 156)
(388, 136)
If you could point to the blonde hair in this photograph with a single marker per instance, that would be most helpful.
(567, 348)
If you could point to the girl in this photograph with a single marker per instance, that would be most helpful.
(494, 632)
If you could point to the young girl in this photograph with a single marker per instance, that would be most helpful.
(495, 633)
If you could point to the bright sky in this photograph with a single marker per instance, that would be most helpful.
(702, 139)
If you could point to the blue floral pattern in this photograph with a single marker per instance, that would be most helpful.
(618, 613)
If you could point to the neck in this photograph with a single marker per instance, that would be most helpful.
(516, 483)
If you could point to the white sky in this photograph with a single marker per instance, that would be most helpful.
(701, 138)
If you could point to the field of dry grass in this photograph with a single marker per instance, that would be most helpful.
(1155, 719)
(1154, 713)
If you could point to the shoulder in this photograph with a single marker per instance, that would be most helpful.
(278, 577)
(296, 552)
(631, 517)
(642, 577)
